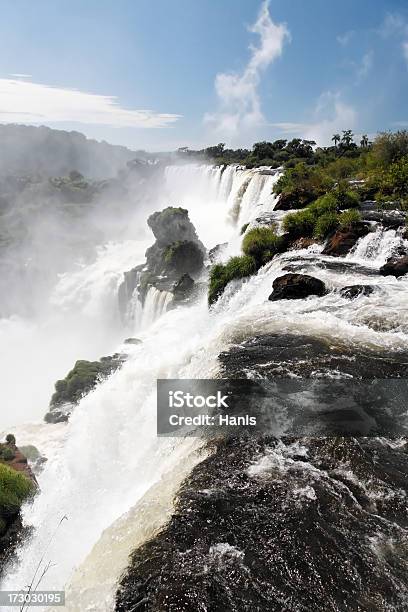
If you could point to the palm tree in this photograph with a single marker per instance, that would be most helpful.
(364, 140)
(347, 138)
(336, 139)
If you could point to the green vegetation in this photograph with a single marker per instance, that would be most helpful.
(82, 379)
(262, 244)
(221, 275)
(325, 225)
(15, 488)
(328, 185)
(259, 246)
(6, 453)
(244, 228)
(348, 219)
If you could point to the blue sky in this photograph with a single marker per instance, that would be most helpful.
(158, 75)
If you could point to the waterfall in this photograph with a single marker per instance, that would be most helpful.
(110, 456)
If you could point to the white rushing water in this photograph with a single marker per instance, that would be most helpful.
(110, 456)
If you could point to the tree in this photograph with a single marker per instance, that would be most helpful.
(347, 137)
(216, 151)
(364, 141)
(336, 139)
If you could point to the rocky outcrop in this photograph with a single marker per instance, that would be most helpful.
(177, 252)
(395, 266)
(343, 241)
(78, 382)
(296, 287)
(353, 291)
(390, 219)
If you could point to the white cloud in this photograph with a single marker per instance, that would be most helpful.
(345, 38)
(393, 24)
(240, 107)
(21, 75)
(405, 50)
(365, 65)
(331, 115)
(26, 102)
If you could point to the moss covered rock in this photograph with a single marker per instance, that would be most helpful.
(83, 377)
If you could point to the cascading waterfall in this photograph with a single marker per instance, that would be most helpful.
(111, 456)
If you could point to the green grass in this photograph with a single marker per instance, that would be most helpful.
(15, 488)
(349, 218)
(221, 275)
(262, 244)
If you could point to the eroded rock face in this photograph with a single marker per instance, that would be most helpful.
(395, 266)
(296, 287)
(176, 252)
(343, 241)
(353, 291)
(172, 225)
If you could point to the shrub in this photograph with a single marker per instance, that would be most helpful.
(221, 275)
(345, 197)
(15, 488)
(261, 243)
(6, 453)
(325, 225)
(300, 224)
(349, 218)
(303, 184)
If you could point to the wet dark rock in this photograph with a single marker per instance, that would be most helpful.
(285, 355)
(183, 287)
(337, 265)
(296, 287)
(343, 241)
(395, 266)
(265, 525)
(84, 377)
(353, 291)
(132, 341)
(390, 219)
(127, 287)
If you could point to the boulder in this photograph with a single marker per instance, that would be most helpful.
(172, 225)
(296, 287)
(395, 266)
(352, 291)
(343, 241)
